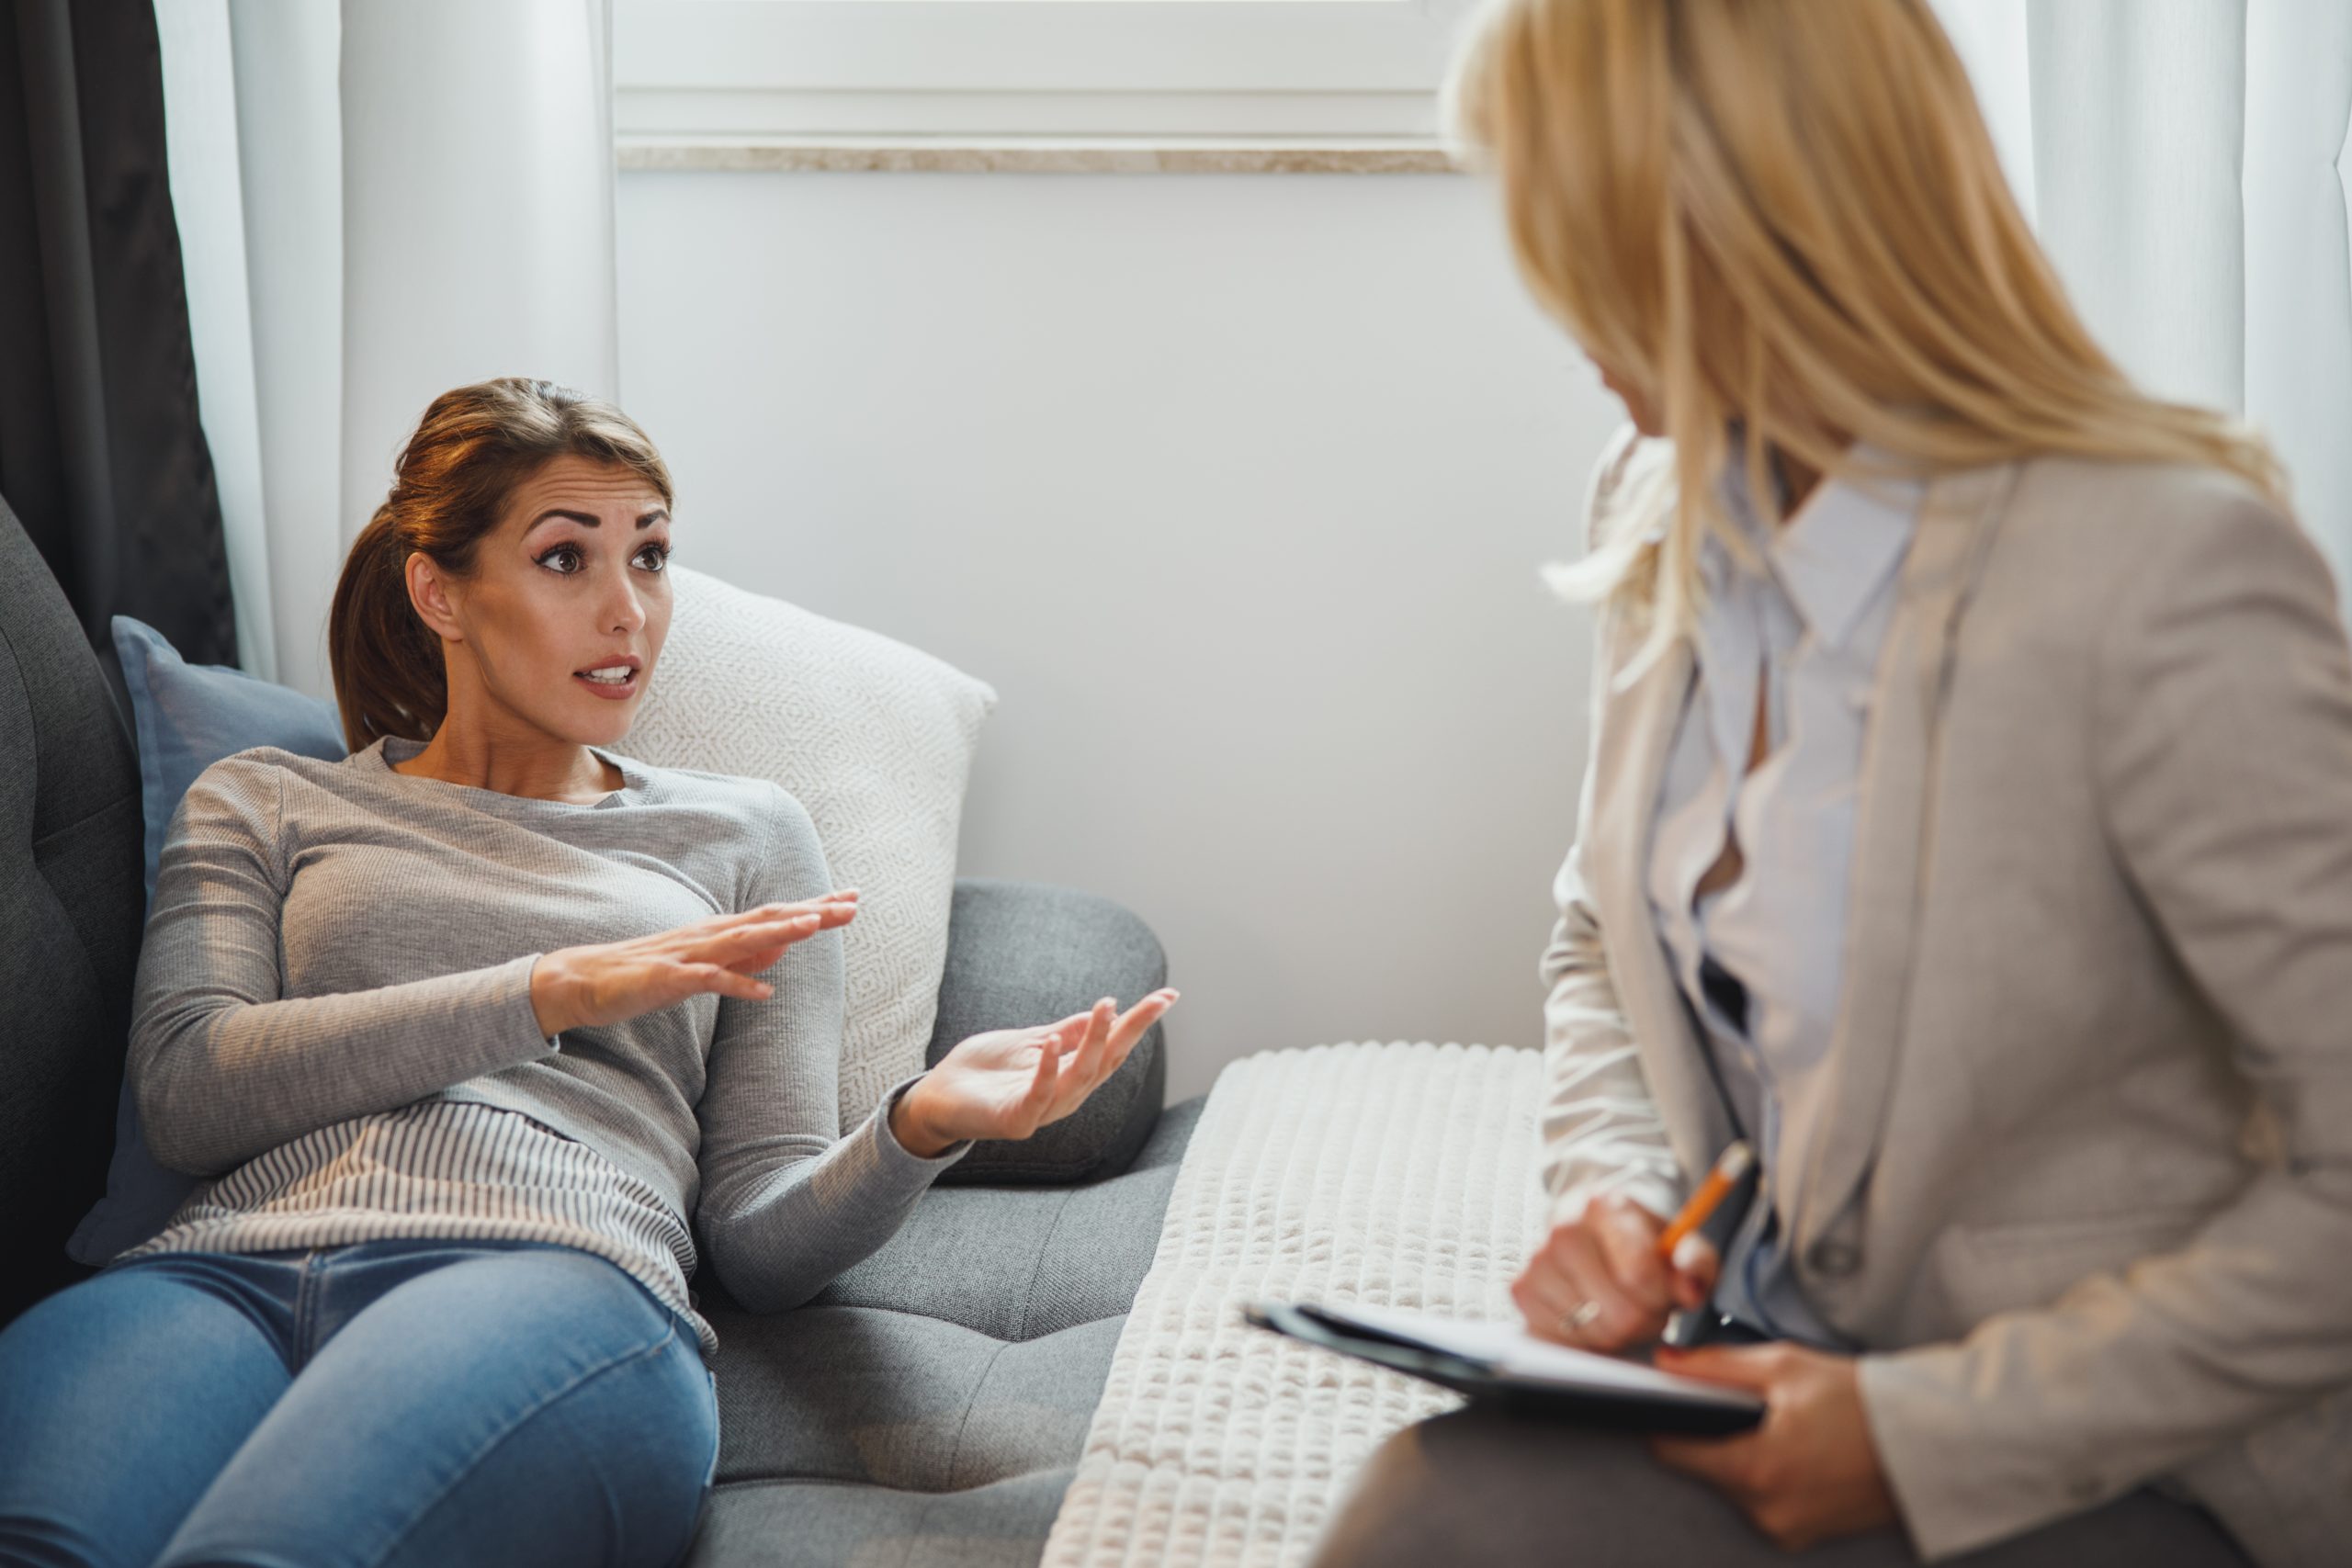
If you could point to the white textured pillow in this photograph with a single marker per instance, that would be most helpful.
(875, 739)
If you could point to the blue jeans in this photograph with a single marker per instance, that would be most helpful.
(393, 1402)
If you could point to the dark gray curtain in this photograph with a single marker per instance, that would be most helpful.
(101, 453)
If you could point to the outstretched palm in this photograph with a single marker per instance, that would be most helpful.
(1010, 1082)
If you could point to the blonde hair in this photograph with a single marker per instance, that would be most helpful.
(1787, 216)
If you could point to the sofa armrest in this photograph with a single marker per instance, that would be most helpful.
(1024, 953)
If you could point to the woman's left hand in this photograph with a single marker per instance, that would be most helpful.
(1010, 1082)
(1810, 1471)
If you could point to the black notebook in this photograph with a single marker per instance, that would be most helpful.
(1501, 1363)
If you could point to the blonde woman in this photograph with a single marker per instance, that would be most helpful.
(1968, 827)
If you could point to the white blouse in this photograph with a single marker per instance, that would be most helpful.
(1759, 961)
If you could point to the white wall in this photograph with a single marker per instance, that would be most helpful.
(1235, 487)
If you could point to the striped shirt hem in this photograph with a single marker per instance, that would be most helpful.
(443, 1170)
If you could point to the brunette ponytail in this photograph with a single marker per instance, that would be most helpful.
(474, 445)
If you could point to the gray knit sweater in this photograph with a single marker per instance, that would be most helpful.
(333, 944)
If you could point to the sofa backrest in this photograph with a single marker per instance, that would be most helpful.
(72, 906)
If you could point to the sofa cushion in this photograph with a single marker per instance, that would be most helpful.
(827, 1524)
(1023, 952)
(1020, 1262)
(932, 1401)
(899, 1399)
(70, 918)
(875, 739)
(186, 717)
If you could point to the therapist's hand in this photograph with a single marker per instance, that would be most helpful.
(1597, 1282)
(1810, 1471)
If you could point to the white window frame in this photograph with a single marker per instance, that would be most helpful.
(716, 77)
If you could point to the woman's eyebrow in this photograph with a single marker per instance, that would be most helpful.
(590, 520)
(586, 519)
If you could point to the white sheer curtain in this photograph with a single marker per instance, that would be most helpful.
(2183, 162)
(377, 202)
(232, 315)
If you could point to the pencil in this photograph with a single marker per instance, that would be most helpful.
(1729, 1167)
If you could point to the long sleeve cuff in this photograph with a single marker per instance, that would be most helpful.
(894, 1156)
(1955, 1490)
(514, 1002)
(1658, 1194)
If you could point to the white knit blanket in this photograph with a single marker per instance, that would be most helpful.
(1402, 1175)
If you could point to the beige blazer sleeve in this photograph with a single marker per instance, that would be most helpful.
(2221, 736)
(1603, 1130)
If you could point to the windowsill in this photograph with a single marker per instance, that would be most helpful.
(1051, 156)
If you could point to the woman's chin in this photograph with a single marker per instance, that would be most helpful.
(598, 721)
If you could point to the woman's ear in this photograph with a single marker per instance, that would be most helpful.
(428, 591)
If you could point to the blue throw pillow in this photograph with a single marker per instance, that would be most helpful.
(187, 716)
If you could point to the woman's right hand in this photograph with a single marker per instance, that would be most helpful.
(1597, 1282)
(580, 987)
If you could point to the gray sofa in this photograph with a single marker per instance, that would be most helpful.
(926, 1409)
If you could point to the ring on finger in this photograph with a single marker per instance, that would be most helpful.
(1578, 1318)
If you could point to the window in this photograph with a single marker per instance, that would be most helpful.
(746, 75)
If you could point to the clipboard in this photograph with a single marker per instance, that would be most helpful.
(1497, 1364)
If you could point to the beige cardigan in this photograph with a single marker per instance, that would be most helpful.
(2086, 1190)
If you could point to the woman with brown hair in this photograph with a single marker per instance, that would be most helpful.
(1968, 830)
(485, 1035)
